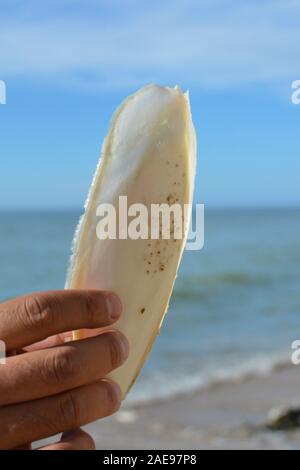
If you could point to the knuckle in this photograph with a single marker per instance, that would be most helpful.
(89, 310)
(113, 400)
(69, 410)
(37, 312)
(62, 366)
(115, 350)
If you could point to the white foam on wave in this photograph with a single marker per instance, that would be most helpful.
(161, 386)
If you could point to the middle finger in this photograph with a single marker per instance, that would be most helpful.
(61, 368)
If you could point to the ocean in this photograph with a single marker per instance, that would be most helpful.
(235, 309)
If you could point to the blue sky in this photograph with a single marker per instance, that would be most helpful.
(68, 63)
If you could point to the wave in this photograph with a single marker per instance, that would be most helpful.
(197, 286)
(164, 387)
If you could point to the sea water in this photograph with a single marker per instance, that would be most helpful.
(236, 304)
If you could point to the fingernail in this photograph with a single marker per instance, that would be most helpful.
(114, 306)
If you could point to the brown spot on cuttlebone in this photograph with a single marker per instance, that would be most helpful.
(142, 310)
(170, 199)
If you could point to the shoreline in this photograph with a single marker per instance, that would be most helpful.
(230, 415)
(231, 376)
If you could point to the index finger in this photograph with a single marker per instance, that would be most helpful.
(32, 318)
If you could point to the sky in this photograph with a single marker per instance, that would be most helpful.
(68, 64)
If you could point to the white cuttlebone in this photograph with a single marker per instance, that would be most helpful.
(149, 155)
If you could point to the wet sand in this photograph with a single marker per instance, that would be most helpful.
(229, 415)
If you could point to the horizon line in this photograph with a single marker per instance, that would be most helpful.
(214, 207)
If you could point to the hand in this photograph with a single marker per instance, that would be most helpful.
(48, 386)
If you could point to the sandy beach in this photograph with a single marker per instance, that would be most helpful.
(230, 415)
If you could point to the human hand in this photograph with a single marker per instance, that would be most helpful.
(48, 385)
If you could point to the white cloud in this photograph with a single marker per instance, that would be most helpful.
(115, 44)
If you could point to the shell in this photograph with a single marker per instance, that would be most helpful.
(149, 155)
